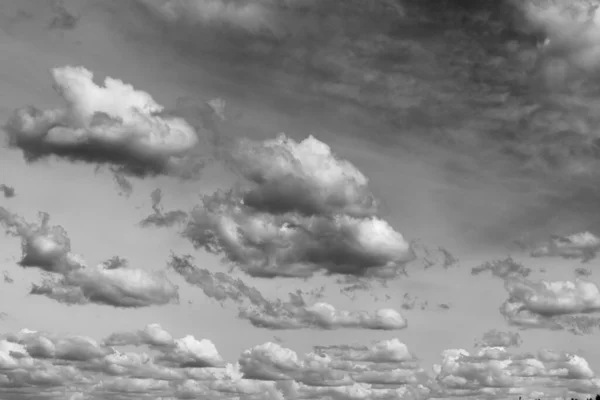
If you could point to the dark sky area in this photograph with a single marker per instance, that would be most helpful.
(473, 90)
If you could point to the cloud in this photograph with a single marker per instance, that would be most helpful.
(305, 177)
(582, 245)
(124, 185)
(496, 338)
(7, 191)
(572, 32)
(43, 246)
(551, 305)
(73, 282)
(278, 314)
(59, 366)
(305, 211)
(502, 269)
(495, 372)
(112, 124)
(160, 218)
(117, 287)
(253, 17)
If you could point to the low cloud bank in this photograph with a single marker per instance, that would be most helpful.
(58, 366)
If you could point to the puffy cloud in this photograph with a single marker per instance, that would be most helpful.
(386, 363)
(112, 283)
(252, 17)
(495, 372)
(292, 314)
(112, 124)
(582, 245)
(160, 218)
(7, 191)
(305, 177)
(305, 211)
(56, 366)
(118, 287)
(496, 338)
(43, 246)
(551, 305)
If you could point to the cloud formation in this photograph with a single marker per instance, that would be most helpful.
(160, 218)
(552, 305)
(305, 210)
(583, 245)
(58, 366)
(277, 314)
(7, 191)
(112, 124)
(502, 269)
(496, 338)
(495, 372)
(71, 281)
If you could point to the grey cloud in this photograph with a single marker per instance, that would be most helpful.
(503, 269)
(277, 314)
(160, 218)
(554, 305)
(132, 134)
(496, 338)
(73, 282)
(7, 191)
(43, 365)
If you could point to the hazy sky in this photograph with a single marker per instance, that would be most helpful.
(397, 177)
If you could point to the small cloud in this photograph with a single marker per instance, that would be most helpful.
(125, 186)
(550, 305)
(496, 338)
(73, 282)
(109, 285)
(8, 191)
(583, 272)
(63, 19)
(7, 278)
(503, 269)
(161, 218)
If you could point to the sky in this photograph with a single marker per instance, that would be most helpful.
(298, 199)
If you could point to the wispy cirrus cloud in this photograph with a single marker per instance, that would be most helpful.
(295, 313)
